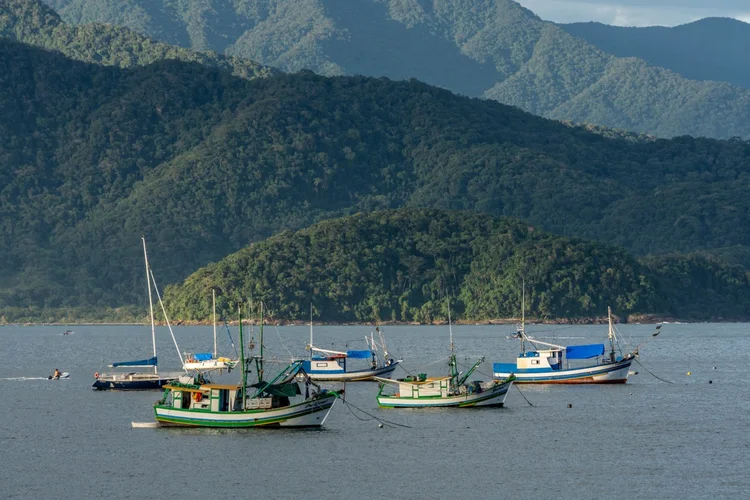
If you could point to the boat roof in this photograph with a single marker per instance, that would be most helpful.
(221, 386)
(415, 382)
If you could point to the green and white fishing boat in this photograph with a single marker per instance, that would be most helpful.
(192, 402)
(451, 390)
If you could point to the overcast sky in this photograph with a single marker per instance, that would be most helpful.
(637, 12)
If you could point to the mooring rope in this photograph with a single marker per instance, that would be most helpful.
(372, 417)
(652, 373)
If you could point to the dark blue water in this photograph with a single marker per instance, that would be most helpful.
(646, 439)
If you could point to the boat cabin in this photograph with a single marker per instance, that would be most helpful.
(423, 387)
(325, 364)
(547, 360)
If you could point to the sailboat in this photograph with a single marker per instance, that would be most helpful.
(191, 402)
(334, 366)
(552, 365)
(450, 390)
(128, 377)
(209, 361)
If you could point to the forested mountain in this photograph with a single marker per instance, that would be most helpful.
(490, 48)
(203, 163)
(32, 22)
(404, 265)
(709, 49)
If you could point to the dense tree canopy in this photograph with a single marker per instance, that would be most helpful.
(407, 265)
(203, 163)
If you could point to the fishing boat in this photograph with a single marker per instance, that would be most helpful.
(209, 361)
(327, 365)
(591, 363)
(130, 375)
(191, 402)
(451, 390)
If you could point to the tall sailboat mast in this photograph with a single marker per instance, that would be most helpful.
(150, 300)
(213, 297)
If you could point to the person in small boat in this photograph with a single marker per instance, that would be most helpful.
(57, 373)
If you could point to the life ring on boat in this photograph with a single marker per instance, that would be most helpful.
(96, 375)
(197, 397)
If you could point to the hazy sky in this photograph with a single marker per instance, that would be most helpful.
(637, 12)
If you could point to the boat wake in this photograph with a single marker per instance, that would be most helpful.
(24, 378)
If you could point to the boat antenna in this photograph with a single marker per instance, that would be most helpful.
(150, 301)
(242, 357)
(311, 331)
(213, 297)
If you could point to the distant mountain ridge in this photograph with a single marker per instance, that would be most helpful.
(491, 48)
(708, 49)
(203, 163)
(32, 22)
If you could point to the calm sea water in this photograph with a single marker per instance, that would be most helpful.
(646, 439)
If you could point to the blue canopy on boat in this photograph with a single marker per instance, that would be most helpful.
(203, 356)
(358, 354)
(584, 351)
(142, 362)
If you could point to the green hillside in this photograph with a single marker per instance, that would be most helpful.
(489, 48)
(403, 265)
(32, 22)
(202, 163)
(708, 49)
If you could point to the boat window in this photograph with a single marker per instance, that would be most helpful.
(321, 365)
(534, 361)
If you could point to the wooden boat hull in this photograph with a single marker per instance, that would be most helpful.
(611, 373)
(311, 413)
(494, 397)
(352, 376)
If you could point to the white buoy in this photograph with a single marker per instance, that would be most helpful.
(144, 425)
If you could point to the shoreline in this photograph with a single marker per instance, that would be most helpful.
(633, 320)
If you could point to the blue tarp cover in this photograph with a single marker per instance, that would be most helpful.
(358, 354)
(142, 362)
(584, 351)
(203, 356)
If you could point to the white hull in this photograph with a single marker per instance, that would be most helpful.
(308, 414)
(493, 397)
(614, 373)
(353, 376)
(209, 365)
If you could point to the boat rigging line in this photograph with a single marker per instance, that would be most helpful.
(381, 421)
(652, 373)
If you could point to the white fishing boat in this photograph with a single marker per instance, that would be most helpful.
(125, 374)
(209, 361)
(573, 364)
(451, 390)
(327, 365)
(275, 403)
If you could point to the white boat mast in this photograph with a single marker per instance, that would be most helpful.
(150, 300)
(311, 332)
(213, 297)
(611, 335)
(450, 327)
(523, 315)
